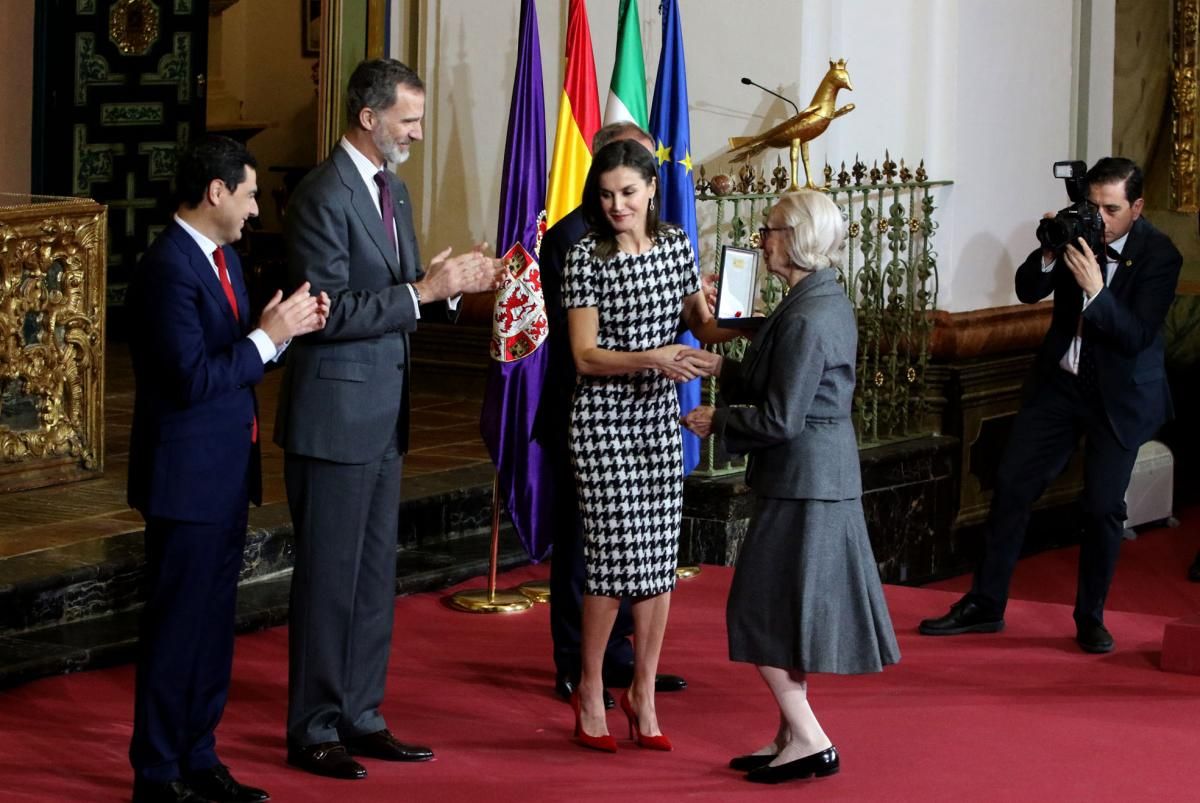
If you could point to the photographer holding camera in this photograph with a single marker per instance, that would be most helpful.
(1099, 373)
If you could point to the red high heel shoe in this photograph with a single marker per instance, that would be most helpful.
(660, 742)
(605, 743)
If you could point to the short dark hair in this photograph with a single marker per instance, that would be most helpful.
(1111, 169)
(373, 86)
(622, 153)
(210, 158)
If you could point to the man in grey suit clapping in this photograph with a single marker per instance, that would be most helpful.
(343, 418)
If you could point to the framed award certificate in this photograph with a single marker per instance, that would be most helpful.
(737, 286)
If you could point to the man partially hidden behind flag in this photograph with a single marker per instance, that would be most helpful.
(672, 140)
(567, 570)
(517, 374)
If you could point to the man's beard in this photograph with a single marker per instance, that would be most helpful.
(389, 148)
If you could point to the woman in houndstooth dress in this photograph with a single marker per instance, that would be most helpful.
(626, 286)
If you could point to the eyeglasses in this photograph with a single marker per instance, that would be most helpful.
(764, 230)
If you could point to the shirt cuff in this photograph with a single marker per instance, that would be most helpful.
(266, 347)
(452, 303)
(1049, 266)
(416, 301)
(1089, 299)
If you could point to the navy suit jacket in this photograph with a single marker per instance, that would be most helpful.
(190, 455)
(1123, 324)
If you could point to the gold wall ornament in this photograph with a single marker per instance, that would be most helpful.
(1185, 83)
(51, 340)
(796, 132)
(133, 26)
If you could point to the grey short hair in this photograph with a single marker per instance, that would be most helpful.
(625, 129)
(816, 230)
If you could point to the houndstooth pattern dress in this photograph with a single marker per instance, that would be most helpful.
(625, 436)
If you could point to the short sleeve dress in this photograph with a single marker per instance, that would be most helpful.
(624, 434)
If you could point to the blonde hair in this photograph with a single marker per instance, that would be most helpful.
(815, 232)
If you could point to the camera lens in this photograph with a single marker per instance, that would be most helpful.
(1052, 232)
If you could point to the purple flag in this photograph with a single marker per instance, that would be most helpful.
(517, 372)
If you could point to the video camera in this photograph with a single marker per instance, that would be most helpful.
(1080, 219)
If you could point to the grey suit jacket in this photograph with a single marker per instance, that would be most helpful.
(798, 377)
(345, 388)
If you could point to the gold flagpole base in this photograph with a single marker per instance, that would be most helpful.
(536, 590)
(478, 600)
(686, 572)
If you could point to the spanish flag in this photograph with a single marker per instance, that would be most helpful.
(578, 119)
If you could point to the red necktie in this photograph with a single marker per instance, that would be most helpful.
(227, 286)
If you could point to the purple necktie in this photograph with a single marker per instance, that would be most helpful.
(385, 207)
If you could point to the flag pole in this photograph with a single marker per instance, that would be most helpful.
(489, 600)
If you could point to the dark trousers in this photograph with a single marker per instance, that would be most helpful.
(185, 644)
(568, 571)
(1045, 434)
(343, 594)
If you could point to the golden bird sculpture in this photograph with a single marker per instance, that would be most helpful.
(796, 132)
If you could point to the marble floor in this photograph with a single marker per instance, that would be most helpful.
(444, 441)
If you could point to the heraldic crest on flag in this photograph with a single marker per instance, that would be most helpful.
(519, 324)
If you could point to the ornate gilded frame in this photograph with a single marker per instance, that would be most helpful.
(52, 253)
(1185, 83)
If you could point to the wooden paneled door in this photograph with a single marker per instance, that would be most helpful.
(119, 87)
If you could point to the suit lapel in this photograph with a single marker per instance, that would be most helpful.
(813, 285)
(409, 261)
(1131, 258)
(199, 264)
(365, 208)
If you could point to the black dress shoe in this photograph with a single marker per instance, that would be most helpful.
(1093, 637)
(564, 687)
(329, 759)
(216, 784)
(965, 616)
(819, 764)
(751, 762)
(1194, 569)
(383, 745)
(669, 683)
(173, 792)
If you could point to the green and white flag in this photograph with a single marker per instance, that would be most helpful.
(627, 90)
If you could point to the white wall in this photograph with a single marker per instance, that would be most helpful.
(985, 92)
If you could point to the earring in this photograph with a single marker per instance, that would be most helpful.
(651, 204)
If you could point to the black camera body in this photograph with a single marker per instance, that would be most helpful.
(1080, 219)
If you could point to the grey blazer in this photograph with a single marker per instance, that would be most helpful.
(798, 377)
(345, 388)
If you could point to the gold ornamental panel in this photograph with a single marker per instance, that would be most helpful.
(133, 26)
(51, 339)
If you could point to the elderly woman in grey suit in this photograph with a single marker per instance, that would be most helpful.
(806, 595)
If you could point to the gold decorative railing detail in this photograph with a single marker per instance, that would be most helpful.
(890, 272)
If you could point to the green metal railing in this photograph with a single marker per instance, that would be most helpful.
(889, 272)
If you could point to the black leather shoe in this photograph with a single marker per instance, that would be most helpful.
(669, 683)
(173, 792)
(564, 687)
(819, 764)
(1194, 569)
(383, 745)
(1093, 637)
(218, 785)
(329, 759)
(965, 616)
(751, 762)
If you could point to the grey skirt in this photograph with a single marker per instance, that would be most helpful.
(806, 593)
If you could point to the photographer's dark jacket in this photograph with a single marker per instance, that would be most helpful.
(1123, 325)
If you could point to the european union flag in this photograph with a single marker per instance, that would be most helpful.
(672, 140)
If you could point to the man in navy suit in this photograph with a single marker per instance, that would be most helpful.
(194, 465)
(1100, 374)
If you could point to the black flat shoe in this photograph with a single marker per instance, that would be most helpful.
(965, 616)
(386, 747)
(668, 683)
(818, 764)
(564, 688)
(218, 785)
(1093, 637)
(751, 762)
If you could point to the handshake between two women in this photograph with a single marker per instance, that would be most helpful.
(684, 363)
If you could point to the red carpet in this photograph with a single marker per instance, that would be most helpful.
(1018, 716)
